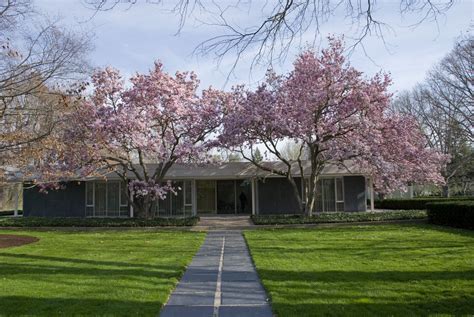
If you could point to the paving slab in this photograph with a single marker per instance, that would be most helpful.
(187, 311)
(245, 311)
(221, 281)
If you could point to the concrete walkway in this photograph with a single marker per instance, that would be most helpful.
(223, 222)
(221, 281)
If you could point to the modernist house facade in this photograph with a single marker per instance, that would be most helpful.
(228, 188)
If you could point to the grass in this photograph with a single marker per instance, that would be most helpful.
(127, 273)
(383, 270)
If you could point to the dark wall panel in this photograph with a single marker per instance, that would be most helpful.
(68, 202)
(275, 196)
(354, 193)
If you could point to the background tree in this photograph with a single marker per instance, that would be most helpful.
(328, 108)
(160, 119)
(227, 156)
(39, 62)
(444, 105)
(257, 156)
(292, 151)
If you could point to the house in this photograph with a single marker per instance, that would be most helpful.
(11, 198)
(227, 188)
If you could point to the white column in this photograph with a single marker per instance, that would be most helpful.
(257, 198)
(194, 197)
(235, 197)
(371, 194)
(253, 196)
(131, 205)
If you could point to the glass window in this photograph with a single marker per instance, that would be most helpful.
(339, 190)
(164, 206)
(340, 206)
(124, 211)
(177, 204)
(188, 210)
(100, 199)
(329, 194)
(89, 211)
(206, 196)
(106, 199)
(113, 203)
(188, 193)
(226, 197)
(123, 194)
(89, 194)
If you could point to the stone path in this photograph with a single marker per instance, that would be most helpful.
(221, 281)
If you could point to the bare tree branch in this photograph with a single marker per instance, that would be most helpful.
(282, 22)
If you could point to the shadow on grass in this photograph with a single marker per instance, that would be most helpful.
(381, 293)
(449, 307)
(357, 276)
(162, 272)
(89, 287)
(457, 231)
(29, 257)
(22, 305)
(377, 227)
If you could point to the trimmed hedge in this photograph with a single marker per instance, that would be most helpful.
(96, 222)
(333, 217)
(454, 214)
(416, 203)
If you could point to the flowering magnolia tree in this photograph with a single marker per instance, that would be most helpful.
(159, 119)
(334, 114)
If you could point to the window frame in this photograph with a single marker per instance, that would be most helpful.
(93, 205)
(338, 201)
(336, 198)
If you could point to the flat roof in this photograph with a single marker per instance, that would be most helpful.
(227, 170)
(242, 170)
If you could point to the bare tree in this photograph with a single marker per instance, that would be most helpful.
(444, 105)
(284, 22)
(40, 62)
(293, 151)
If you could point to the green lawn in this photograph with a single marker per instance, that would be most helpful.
(93, 273)
(366, 270)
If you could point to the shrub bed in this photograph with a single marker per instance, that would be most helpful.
(458, 214)
(416, 203)
(331, 217)
(96, 222)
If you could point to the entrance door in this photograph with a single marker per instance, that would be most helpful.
(226, 203)
(244, 196)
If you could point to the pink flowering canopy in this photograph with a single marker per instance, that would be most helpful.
(336, 114)
(160, 119)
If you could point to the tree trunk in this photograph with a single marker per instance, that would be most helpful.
(297, 193)
(313, 194)
(445, 190)
(142, 207)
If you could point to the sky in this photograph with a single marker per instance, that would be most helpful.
(132, 38)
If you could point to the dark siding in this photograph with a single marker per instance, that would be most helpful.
(68, 202)
(354, 193)
(275, 196)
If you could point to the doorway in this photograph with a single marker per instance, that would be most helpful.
(244, 196)
(224, 197)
